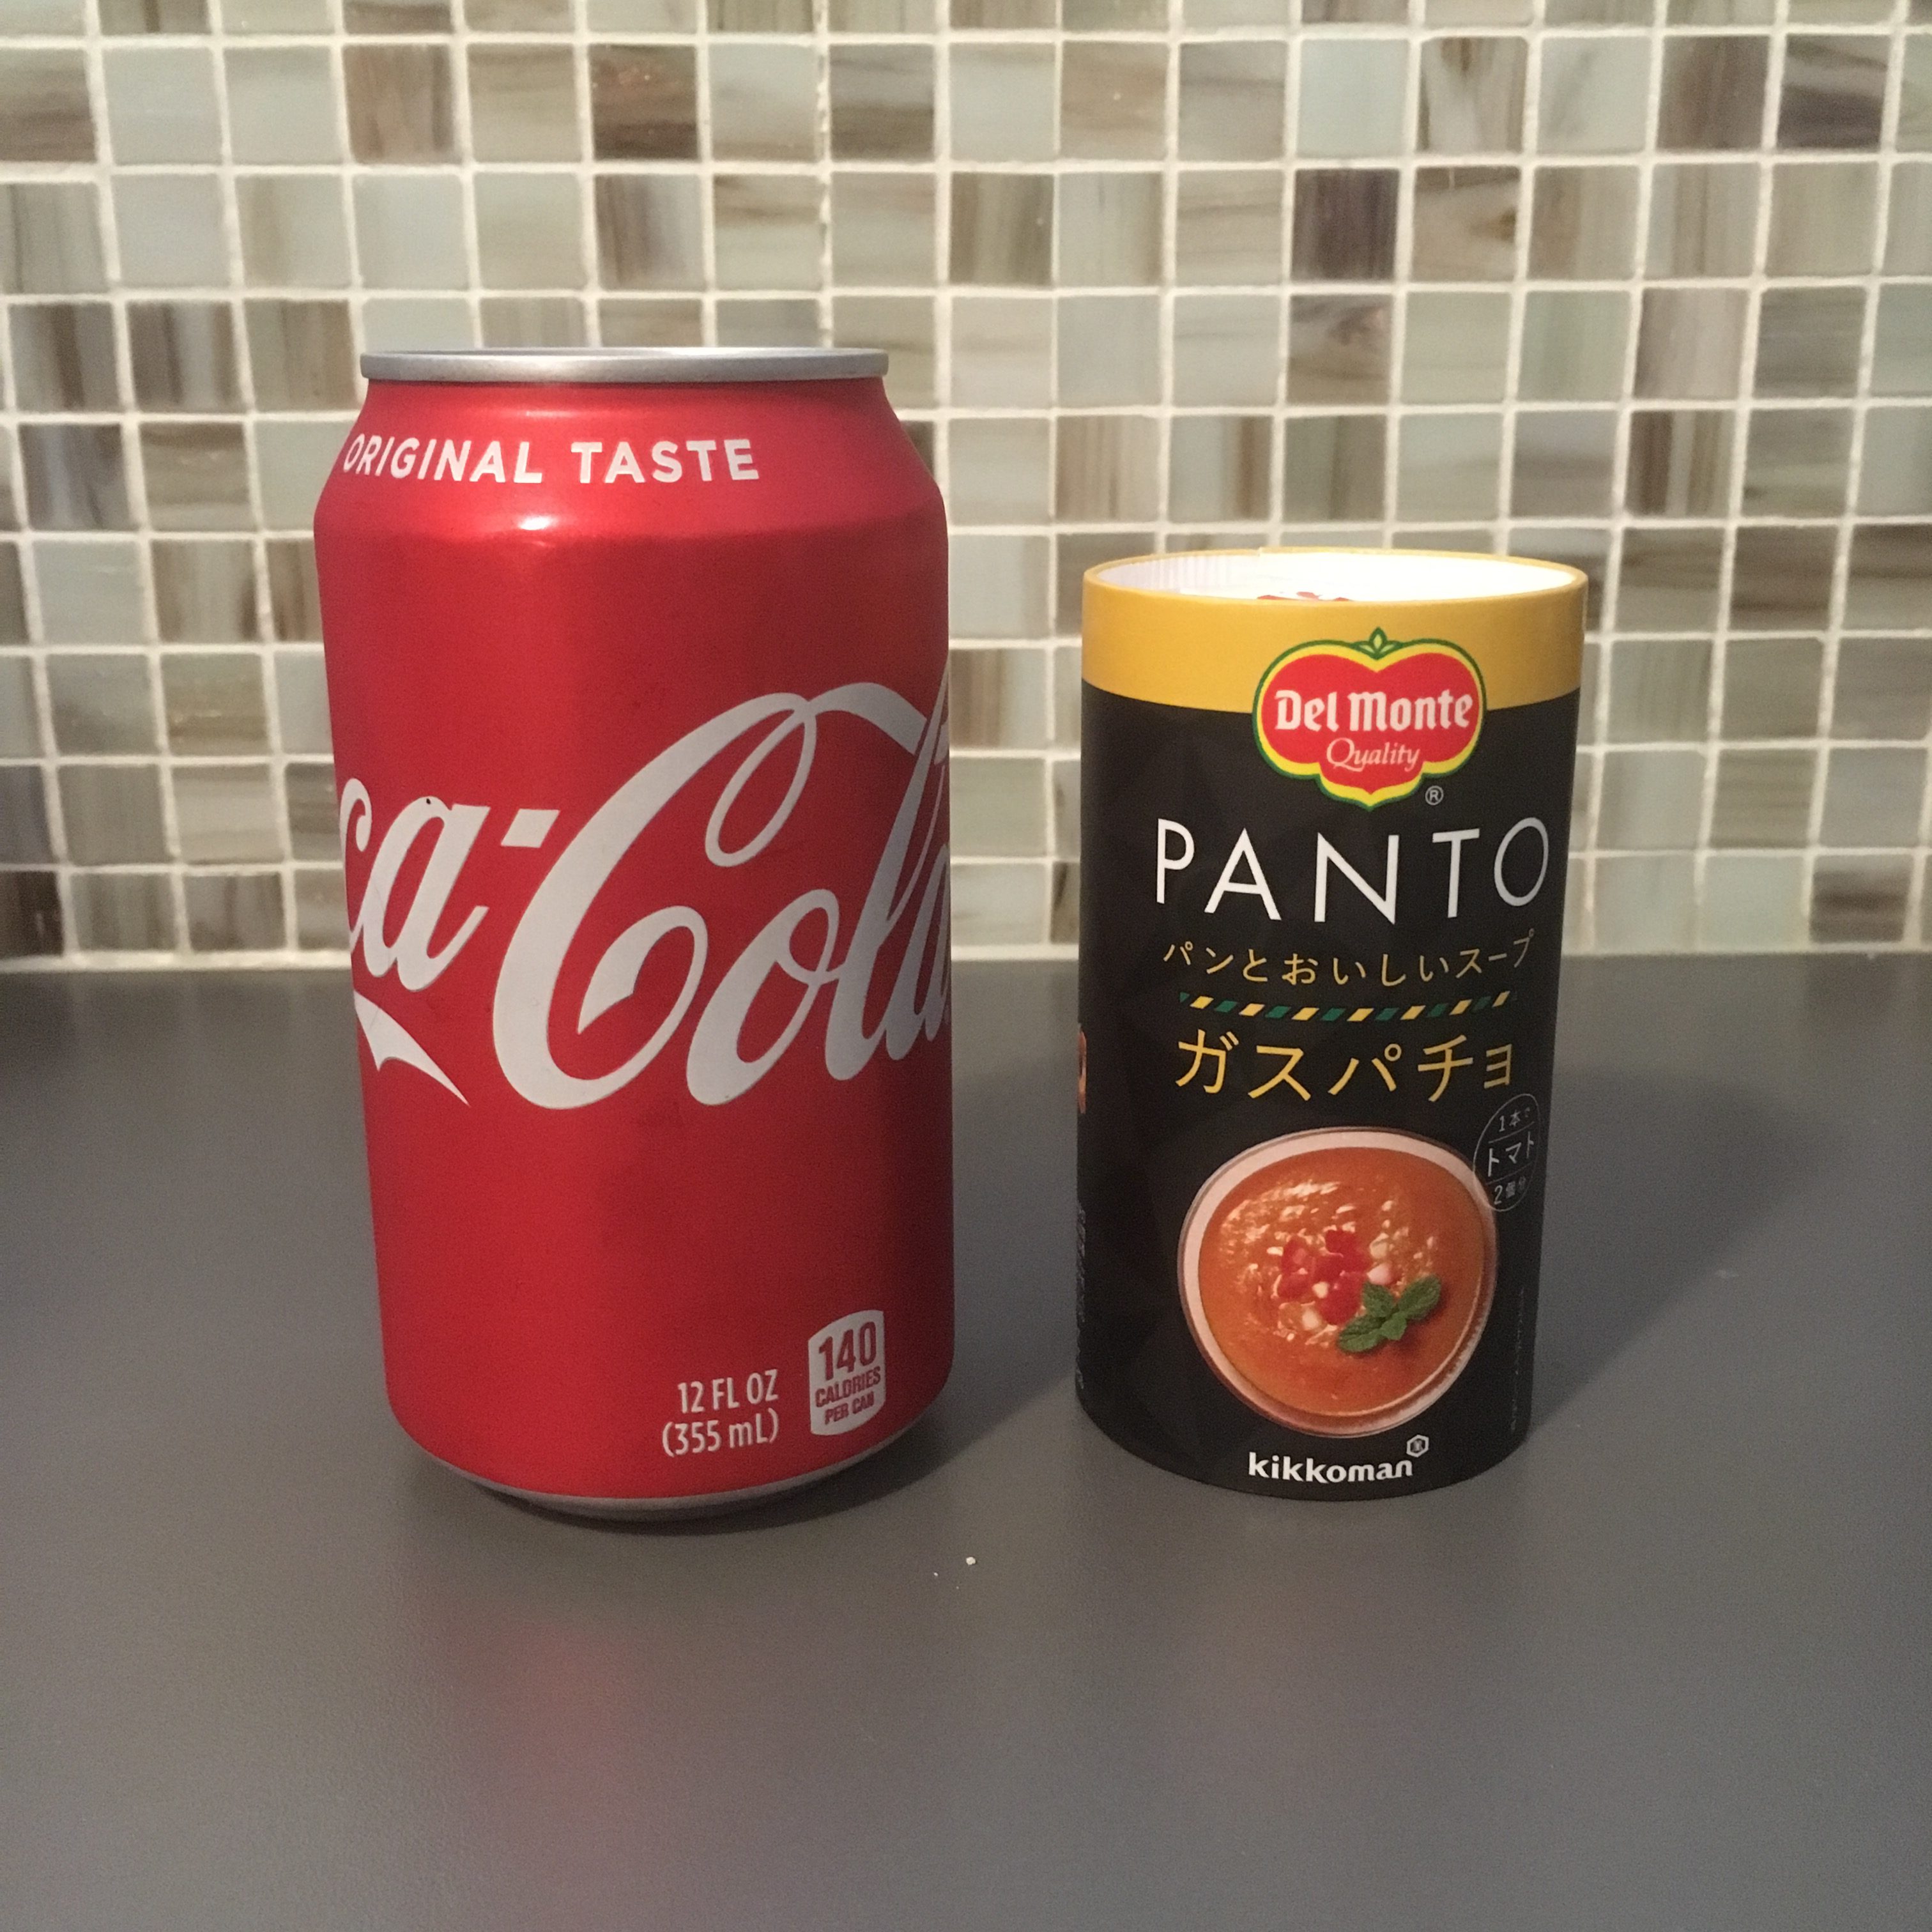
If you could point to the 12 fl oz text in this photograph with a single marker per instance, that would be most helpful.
(723, 1394)
(724, 1412)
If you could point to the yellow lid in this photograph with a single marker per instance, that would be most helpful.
(1201, 628)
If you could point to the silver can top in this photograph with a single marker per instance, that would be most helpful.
(622, 365)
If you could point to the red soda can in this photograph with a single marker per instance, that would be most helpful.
(637, 673)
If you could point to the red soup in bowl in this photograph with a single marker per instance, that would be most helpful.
(1337, 1281)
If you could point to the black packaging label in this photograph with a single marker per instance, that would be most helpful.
(1317, 995)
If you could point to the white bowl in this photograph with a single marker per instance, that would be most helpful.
(1286, 1146)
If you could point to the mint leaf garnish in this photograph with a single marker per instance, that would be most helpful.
(1386, 1317)
(1420, 1296)
(1361, 1334)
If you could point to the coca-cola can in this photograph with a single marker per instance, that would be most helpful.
(637, 676)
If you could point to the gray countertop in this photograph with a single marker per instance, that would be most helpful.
(263, 1665)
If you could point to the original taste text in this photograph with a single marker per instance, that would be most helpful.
(698, 459)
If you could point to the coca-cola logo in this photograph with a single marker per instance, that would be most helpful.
(1370, 721)
(811, 947)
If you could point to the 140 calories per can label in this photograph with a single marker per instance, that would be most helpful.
(845, 1371)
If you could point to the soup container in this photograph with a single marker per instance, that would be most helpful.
(1325, 816)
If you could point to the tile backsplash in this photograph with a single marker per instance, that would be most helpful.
(1641, 285)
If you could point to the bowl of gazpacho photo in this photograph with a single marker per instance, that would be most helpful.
(1338, 1281)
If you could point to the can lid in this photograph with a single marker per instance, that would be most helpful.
(622, 365)
(1311, 574)
(1201, 628)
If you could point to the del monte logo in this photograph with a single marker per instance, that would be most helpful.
(1370, 721)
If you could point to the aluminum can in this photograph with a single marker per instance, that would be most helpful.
(1326, 806)
(637, 678)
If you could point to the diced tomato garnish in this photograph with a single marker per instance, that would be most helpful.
(1342, 1302)
(1297, 1270)
(1341, 1243)
(1330, 1275)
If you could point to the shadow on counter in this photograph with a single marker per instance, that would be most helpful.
(1633, 1220)
(1013, 1058)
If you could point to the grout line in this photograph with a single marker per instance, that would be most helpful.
(1409, 28)
(1763, 165)
(1918, 917)
(822, 157)
(584, 167)
(458, 58)
(1170, 272)
(237, 311)
(134, 457)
